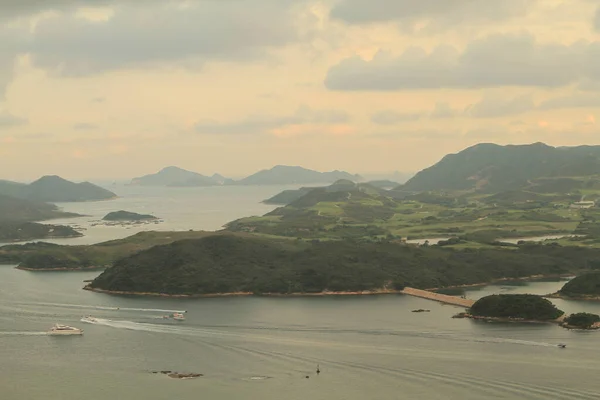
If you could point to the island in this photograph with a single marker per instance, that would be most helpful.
(236, 264)
(514, 308)
(582, 287)
(128, 216)
(584, 321)
(17, 216)
(15, 232)
(178, 177)
(54, 189)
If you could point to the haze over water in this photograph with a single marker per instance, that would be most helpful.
(369, 347)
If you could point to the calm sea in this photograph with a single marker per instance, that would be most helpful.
(264, 348)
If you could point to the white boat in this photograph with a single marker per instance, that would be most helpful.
(64, 330)
(89, 319)
(178, 317)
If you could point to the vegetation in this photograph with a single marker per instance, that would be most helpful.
(13, 209)
(16, 231)
(517, 306)
(583, 285)
(582, 320)
(50, 256)
(55, 189)
(492, 168)
(233, 263)
(127, 216)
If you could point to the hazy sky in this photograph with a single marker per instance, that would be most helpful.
(119, 88)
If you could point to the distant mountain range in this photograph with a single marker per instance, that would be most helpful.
(278, 175)
(55, 189)
(493, 168)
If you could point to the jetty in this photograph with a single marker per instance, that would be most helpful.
(442, 298)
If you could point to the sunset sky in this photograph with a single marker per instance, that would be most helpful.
(103, 89)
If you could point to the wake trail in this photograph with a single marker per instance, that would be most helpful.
(91, 307)
(23, 333)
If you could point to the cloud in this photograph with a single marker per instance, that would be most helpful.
(98, 100)
(163, 34)
(389, 117)
(575, 100)
(493, 107)
(8, 120)
(84, 126)
(443, 110)
(597, 20)
(17, 8)
(493, 61)
(440, 12)
(268, 124)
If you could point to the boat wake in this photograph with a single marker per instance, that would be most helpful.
(90, 307)
(23, 333)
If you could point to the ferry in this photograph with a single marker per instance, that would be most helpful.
(64, 330)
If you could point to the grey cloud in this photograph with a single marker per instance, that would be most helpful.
(597, 20)
(98, 100)
(492, 107)
(443, 110)
(496, 60)
(576, 100)
(389, 117)
(8, 120)
(16, 8)
(444, 12)
(261, 124)
(154, 35)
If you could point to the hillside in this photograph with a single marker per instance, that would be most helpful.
(55, 189)
(21, 210)
(492, 168)
(587, 285)
(232, 264)
(516, 306)
(19, 231)
(178, 177)
(287, 175)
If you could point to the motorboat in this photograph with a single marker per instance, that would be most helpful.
(64, 330)
(89, 319)
(178, 317)
(562, 346)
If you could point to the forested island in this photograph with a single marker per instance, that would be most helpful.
(127, 216)
(515, 307)
(582, 321)
(16, 231)
(228, 263)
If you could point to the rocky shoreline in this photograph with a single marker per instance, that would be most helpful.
(558, 321)
(559, 295)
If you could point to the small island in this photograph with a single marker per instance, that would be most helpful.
(582, 321)
(514, 308)
(582, 287)
(127, 216)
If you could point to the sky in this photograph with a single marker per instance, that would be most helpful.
(113, 89)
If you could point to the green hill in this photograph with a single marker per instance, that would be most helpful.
(587, 285)
(19, 231)
(127, 216)
(55, 189)
(518, 306)
(492, 168)
(21, 210)
(233, 263)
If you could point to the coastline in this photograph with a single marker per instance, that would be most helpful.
(244, 294)
(63, 269)
(531, 278)
(558, 320)
(558, 295)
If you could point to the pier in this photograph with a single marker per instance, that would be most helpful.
(442, 298)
